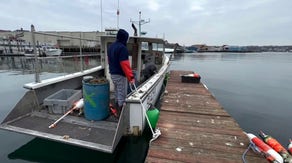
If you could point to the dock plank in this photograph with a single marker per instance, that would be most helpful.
(196, 128)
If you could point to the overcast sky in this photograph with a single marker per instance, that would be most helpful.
(187, 22)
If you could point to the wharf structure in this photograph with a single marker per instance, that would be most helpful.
(15, 42)
(195, 128)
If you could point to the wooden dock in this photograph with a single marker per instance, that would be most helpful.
(195, 128)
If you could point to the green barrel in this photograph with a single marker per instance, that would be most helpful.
(96, 97)
(153, 115)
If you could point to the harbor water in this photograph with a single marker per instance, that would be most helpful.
(254, 88)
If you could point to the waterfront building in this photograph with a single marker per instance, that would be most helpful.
(17, 41)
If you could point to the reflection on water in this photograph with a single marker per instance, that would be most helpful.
(41, 150)
(50, 64)
(130, 150)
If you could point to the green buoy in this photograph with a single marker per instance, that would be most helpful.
(153, 115)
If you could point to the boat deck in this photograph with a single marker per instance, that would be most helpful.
(71, 127)
(97, 135)
(195, 128)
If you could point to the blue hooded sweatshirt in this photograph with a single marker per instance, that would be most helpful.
(118, 56)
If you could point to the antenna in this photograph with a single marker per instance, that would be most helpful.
(101, 16)
(118, 14)
(140, 23)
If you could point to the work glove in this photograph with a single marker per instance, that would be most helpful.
(132, 81)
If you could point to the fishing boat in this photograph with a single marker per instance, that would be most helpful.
(28, 52)
(31, 117)
(51, 51)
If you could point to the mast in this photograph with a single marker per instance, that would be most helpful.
(140, 23)
(101, 16)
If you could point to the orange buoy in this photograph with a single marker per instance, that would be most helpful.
(272, 142)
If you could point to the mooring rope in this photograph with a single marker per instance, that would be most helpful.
(251, 145)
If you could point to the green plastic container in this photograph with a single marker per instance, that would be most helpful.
(153, 115)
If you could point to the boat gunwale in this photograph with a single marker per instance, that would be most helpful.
(46, 82)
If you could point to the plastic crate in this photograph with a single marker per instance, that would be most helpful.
(61, 101)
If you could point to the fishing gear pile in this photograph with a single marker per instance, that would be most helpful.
(269, 147)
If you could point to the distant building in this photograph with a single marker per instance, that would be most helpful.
(16, 42)
(25, 37)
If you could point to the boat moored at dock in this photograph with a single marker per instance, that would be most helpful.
(30, 115)
(51, 51)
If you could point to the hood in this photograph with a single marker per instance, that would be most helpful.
(122, 36)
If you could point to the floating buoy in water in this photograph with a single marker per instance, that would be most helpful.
(270, 154)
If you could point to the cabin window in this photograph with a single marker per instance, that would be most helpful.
(157, 47)
(151, 59)
(145, 46)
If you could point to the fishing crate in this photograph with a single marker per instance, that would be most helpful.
(61, 101)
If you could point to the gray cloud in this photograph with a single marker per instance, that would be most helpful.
(233, 22)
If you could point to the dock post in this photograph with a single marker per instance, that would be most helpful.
(80, 51)
(36, 66)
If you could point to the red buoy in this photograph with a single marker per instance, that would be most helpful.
(270, 154)
(290, 147)
(196, 75)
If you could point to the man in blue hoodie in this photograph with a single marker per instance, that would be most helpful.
(119, 67)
